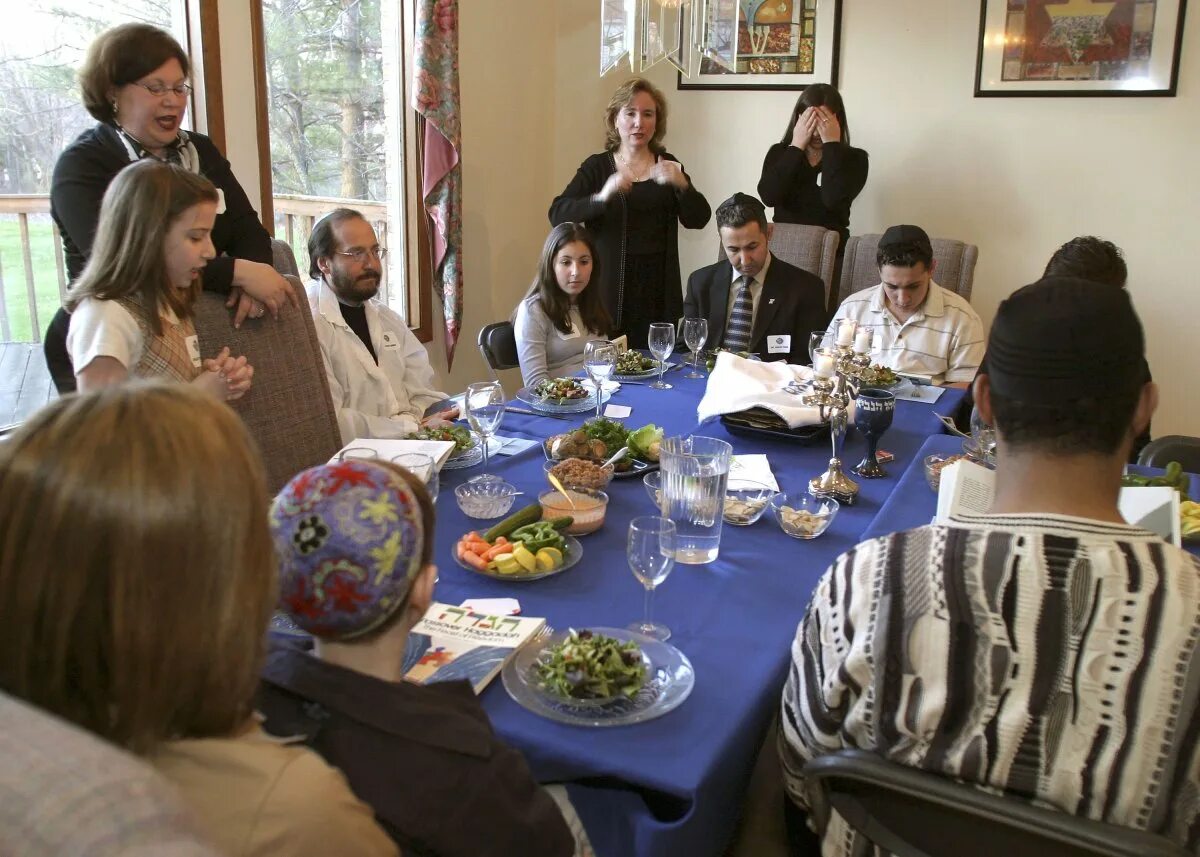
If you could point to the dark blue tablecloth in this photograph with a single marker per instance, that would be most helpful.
(674, 785)
(913, 503)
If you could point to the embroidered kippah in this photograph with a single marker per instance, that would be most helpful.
(349, 538)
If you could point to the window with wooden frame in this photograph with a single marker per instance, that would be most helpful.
(336, 130)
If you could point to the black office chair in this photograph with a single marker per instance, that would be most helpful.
(498, 345)
(912, 813)
(1172, 447)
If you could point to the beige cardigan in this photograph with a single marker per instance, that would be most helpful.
(255, 795)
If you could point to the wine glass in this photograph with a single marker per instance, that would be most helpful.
(695, 334)
(421, 466)
(600, 361)
(873, 410)
(815, 341)
(662, 341)
(984, 436)
(483, 404)
(651, 554)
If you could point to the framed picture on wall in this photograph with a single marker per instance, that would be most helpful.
(779, 44)
(1079, 47)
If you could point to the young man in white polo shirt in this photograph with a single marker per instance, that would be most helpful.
(917, 327)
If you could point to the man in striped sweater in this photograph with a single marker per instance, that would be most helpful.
(1043, 649)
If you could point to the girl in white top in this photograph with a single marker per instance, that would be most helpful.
(560, 313)
(131, 307)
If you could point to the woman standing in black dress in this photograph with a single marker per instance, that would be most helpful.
(632, 197)
(813, 174)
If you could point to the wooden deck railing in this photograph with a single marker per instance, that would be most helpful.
(294, 217)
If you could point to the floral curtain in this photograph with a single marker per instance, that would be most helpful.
(435, 97)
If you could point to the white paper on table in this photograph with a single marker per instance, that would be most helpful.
(617, 411)
(1154, 508)
(610, 386)
(747, 470)
(493, 606)
(911, 392)
(513, 445)
(389, 448)
(736, 384)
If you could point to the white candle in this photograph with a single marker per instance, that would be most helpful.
(823, 366)
(845, 333)
(862, 341)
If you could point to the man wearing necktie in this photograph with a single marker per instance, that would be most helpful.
(753, 301)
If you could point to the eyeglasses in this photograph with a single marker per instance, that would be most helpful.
(360, 254)
(158, 90)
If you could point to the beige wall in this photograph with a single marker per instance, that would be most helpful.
(1017, 176)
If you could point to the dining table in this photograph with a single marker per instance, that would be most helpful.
(676, 784)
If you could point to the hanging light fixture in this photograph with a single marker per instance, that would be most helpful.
(682, 32)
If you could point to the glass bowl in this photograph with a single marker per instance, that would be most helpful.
(746, 504)
(934, 465)
(653, 483)
(802, 516)
(485, 499)
(598, 481)
(586, 518)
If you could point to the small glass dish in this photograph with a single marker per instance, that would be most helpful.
(485, 499)
(581, 473)
(934, 465)
(588, 514)
(802, 516)
(653, 483)
(746, 504)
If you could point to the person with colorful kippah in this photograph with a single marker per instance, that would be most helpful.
(1044, 650)
(355, 547)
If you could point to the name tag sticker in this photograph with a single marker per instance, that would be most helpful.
(779, 344)
(193, 347)
(389, 340)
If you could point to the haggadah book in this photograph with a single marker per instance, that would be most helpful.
(455, 643)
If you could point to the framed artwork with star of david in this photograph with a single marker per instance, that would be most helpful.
(1079, 47)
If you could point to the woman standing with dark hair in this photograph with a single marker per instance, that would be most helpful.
(632, 197)
(813, 174)
(560, 313)
(134, 82)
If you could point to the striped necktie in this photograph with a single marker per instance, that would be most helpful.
(737, 335)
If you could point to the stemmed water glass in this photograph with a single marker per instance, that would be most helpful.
(600, 361)
(651, 554)
(483, 404)
(695, 334)
(662, 342)
(984, 436)
(873, 411)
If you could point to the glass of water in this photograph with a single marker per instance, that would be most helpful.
(984, 436)
(695, 334)
(651, 554)
(421, 466)
(483, 404)
(694, 472)
(599, 361)
(662, 342)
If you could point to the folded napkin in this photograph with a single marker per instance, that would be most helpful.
(736, 384)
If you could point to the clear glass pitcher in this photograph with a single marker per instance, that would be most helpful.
(695, 470)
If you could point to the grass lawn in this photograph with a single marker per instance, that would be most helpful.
(45, 277)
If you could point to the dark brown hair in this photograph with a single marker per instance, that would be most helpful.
(555, 302)
(624, 94)
(322, 243)
(136, 568)
(121, 56)
(129, 256)
(819, 95)
(1089, 258)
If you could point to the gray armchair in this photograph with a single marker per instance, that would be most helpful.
(809, 248)
(955, 262)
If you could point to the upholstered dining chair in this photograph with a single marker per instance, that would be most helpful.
(288, 410)
(1172, 447)
(809, 248)
(283, 259)
(913, 813)
(955, 262)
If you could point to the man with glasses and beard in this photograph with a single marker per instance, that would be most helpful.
(379, 373)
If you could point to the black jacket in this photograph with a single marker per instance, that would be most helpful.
(424, 758)
(606, 221)
(789, 183)
(792, 303)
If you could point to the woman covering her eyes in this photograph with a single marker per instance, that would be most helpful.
(132, 306)
(134, 82)
(561, 312)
